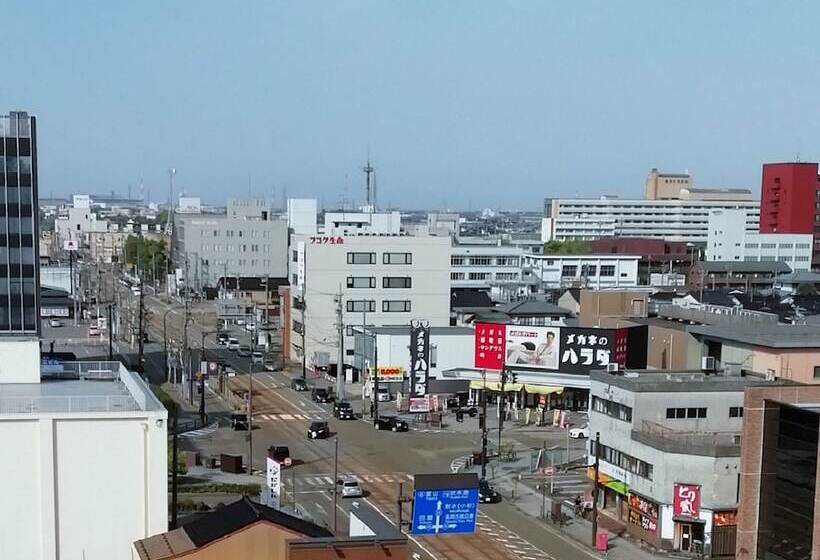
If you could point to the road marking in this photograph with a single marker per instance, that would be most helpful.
(411, 537)
(458, 463)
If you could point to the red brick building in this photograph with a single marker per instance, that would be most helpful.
(790, 201)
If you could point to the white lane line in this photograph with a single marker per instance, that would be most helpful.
(411, 537)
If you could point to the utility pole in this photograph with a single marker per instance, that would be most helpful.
(502, 402)
(202, 381)
(142, 329)
(340, 368)
(110, 335)
(483, 425)
(304, 315)
(375, 395)
(595, 488)
(174, 468)
(335, 479)
(250, 410)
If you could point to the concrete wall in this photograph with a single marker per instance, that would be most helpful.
(596, 304)
(672, 349)
(19, 360)
(789, 363)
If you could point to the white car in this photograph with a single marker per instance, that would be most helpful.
(349, 487)
(233, 344)
(258, 358)
(579, 433)
(383, 394)
(250, 327)
(55, 323)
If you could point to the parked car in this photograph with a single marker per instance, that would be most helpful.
(239, 422)
(233, 344)
(270, 364)
(244, 351)
(383, 394)
(222, 338)
(280, 454)
(343, 411)
(349, 487)
(580, 433)
(318, 430)
(93, 330)
(321, 395)
(487, 494)
(298, 384)
(258, 358)
(55, 323)
(250, 327)
(392, 423)
(240, 322)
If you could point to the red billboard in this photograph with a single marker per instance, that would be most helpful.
(687, 500)
(490, 346)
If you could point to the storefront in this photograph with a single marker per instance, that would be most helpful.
(724, 534)
(689, 528)
(643, 521)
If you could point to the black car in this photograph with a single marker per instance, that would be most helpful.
(487, 494)
(321, 395)
(239, 422)
(343, 411)
(391, 423)
(318, 430)
(280, 454)
(222, 339)
(298, 384)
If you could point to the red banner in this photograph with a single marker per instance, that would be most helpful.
(687, 500)
(490, 346)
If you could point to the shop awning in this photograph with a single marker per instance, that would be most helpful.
(618, 486)
(542, 389)
(496, 386)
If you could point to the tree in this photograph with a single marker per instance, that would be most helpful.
(145, 254)
(569, 247)
(806, 289)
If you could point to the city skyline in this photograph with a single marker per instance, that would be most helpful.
(463, 106)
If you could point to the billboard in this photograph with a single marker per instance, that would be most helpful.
(535, 347)
(273, 484)
(686, 501)
(561, 349)
(444, 504)
(490, 341)
(419, 358)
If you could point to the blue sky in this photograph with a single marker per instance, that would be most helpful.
(467, 104)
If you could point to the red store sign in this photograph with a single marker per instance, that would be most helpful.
(490, 346)
(687, 500)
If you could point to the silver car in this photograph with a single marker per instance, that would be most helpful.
(349, 487)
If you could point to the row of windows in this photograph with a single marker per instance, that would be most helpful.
(15, 164)
(387, 258)
(460, 260)
(622, 460)
(484, 276)
(387, 282)
(219, 248)
(679, 413)
(612, 409)
(589, 270)
(781, 246)
(237, 262)
(369, 306)
(238, 233)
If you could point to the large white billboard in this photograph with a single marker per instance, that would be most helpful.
(532, 346)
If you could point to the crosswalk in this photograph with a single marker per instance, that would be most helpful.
(284, 417)
(570, 483)
(518, 547)
(324, 481)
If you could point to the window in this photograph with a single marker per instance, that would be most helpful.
(768, 245)
(397, 282)
(607, 270)
(817, 372)
(481, 261)
(612, 409)
(589, 270)
(361, 281)
(456, 276)
(396, 305)
(683, 413)
(507, 261)
(350, 352)
(361, 258)
(398, 258)
(506, 276)
(479, 275)
(569, 270)
(361, 305)
(786, 245)
(456, 260)
(622, 460)
(349, 330)
(735, 412)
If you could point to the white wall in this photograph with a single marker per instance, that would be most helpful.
(450, 351)
(19, 361)
(549, 270)
(302, 215)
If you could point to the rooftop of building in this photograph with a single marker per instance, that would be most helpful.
(532, 308)
(799, 277)
(80, 387)
(398, 330)
(769, 335)
(678, 381)
(583, 256)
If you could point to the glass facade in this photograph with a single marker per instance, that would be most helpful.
(19, 271)
(787, 485)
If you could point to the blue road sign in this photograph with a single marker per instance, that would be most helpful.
(444, 511)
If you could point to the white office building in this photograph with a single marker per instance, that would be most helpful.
(85, 469)
(728, 240)
(672, 220)
(382, 280)
(549, 272)
(302, 214)
(362, 223)
(492, 267)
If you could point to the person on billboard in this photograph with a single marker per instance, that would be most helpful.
(527, 353)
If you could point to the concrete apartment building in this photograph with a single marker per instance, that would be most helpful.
(494, 268)
(549, 272)
(383, 279)
(362, 223)
(245, 241)
(669, 437)
(728, 240)
(90, 467)
(679, 186)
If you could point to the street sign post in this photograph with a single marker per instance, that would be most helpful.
(445, 504)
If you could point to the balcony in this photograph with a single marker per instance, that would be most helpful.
(704, 444)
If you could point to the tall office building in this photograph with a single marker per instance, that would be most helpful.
(19, 275)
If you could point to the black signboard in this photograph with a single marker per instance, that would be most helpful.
(419, 358)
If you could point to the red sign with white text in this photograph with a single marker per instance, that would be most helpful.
(490, 346)
(687, 500)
